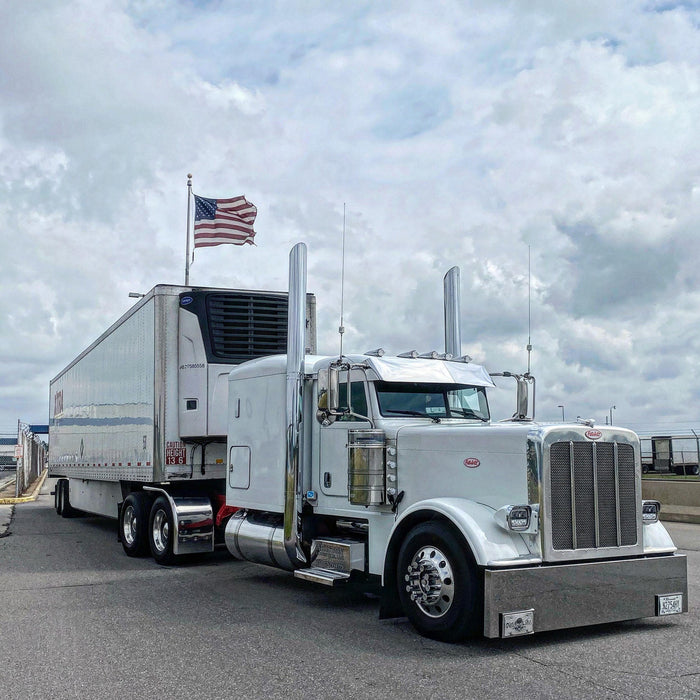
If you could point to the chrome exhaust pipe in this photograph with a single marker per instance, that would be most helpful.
(453, 333)
(275, 539)
(296, 335)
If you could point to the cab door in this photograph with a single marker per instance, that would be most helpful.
(333, 440)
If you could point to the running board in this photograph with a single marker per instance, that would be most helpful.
(334, 559)
(325, 577)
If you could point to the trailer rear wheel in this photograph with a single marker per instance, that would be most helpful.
(438, 584)
(66, 509)
(161, 531)
(57, 501)
(133, 524)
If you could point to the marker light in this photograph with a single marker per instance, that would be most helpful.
(650, 511)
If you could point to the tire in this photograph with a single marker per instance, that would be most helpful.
(133, 524)
(161, 530)
(58, 498)
(438, 584)
(67, 510)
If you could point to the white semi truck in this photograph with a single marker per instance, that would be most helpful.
(390, 469)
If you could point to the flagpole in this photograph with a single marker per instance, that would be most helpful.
(187, 250)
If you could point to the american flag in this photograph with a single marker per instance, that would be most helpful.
(218, 221)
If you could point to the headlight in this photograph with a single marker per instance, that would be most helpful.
(650, 511)
(517, 518)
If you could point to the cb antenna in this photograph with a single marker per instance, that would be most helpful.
(341, 328)
(529, 311)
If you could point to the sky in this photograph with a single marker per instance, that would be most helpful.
(501, 137)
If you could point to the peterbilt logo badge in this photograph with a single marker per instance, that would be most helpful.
(471, 462)
(593, 434)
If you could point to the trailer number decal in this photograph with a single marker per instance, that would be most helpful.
(471, 462)
(175, 453)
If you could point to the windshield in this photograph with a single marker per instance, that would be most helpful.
(432, 400)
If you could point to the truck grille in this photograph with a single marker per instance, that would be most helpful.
(245, 326)
(593, 501)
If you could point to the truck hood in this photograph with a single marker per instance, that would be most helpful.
(484, 463)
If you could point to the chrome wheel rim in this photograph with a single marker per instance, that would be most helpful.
(430, 581)
(129, 525)
(161, 530)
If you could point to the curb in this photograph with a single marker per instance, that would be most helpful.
(31, 497)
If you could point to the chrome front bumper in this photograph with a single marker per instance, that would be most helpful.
(573, 595)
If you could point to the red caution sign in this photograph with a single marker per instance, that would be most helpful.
(175, 453)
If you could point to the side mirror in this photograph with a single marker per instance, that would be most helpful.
(333, 389)
(328, 395)
(523, 399)
(329, 408)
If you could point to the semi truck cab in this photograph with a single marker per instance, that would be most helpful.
(391, 468)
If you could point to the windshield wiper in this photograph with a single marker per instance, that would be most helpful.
(413, 413)
(464, 413)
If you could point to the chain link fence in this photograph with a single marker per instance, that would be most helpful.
(32, 457)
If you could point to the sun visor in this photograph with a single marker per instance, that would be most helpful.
(399, 369)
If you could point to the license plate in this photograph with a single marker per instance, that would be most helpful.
(670, 604)
(513, 624)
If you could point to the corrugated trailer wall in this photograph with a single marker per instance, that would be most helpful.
(102, 405)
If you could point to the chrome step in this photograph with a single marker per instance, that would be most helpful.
(325, 577)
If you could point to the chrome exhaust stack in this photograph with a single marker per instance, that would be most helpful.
(270, 538)
(453, 333)
(296, 336)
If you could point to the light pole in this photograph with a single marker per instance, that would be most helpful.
(562, 411)
(612, 408)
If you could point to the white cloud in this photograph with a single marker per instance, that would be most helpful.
(458, 137)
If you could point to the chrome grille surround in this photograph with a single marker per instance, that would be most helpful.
(589, 492)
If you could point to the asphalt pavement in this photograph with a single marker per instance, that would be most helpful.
(79, 619)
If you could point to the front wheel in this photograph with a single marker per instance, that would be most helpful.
(438, 584)
(161, 531)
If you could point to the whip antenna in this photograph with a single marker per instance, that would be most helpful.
(529, 311)
(341, 328)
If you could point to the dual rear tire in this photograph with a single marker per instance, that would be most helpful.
(146, 526)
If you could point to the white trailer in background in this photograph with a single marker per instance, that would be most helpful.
(138, 420)
(677, 454)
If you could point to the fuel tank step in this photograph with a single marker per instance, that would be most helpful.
(326, 577)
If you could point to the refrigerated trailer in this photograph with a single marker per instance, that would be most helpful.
(141, 414)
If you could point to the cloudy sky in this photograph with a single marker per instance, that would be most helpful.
(456, 133)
